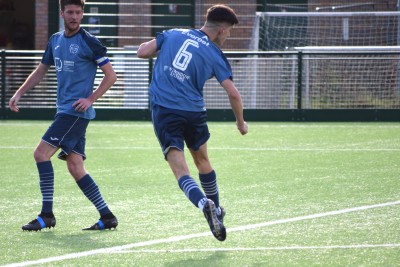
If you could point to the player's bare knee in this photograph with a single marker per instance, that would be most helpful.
(39, 156)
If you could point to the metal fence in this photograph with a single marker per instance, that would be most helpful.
(302, 79)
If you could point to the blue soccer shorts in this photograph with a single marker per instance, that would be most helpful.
(174, 127)
(68, 133)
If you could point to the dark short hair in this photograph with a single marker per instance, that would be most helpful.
(64, 3)
(222, 13)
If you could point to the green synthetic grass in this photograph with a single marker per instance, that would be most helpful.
(271, 179)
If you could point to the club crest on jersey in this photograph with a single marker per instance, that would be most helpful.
(73, 48)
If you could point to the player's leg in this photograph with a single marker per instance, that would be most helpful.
(187, 184)
(86, 183)
(168, 125)
(209, 184)
(91, 191)
(213, 212)
(207, 176)
(177, 162)
(42, 156)
(196, 136)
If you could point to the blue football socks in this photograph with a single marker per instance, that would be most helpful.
(92, 192)
(192, 191)
(46, 183)
(209, 184)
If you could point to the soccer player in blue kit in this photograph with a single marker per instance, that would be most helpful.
(186, 59)
(76, 56)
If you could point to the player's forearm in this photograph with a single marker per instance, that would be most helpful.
(105, 84)
(237, 108)
(33, 79)
(235, 100)
(110, 77)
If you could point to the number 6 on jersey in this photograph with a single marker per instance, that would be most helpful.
(183, 57)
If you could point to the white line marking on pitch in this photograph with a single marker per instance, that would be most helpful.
(185, 237)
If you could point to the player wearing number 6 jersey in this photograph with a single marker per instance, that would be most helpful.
(186, 59)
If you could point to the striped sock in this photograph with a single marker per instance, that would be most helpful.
(192, 191)
(210, 187)
(46, 183)
(92, 192)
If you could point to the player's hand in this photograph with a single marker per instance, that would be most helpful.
(242, 127)
(13, 103)
(82, 104)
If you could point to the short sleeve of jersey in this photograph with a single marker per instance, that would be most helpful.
(99, 51)
(222, 69)
(47, 58)
(159, 39)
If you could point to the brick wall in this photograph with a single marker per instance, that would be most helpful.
(135, 22)
(41, 24)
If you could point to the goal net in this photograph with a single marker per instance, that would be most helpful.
(284, 30)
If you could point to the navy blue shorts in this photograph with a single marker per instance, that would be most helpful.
(68, 133)
(174, 127)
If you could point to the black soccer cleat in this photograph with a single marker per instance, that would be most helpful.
(39, 223)
(214, 221)
(221, 215)
(104, 224)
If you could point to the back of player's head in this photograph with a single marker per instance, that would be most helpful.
(221, 13)
(64, 3)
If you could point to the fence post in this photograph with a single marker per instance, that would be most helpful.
(3, 84)
(299, 83)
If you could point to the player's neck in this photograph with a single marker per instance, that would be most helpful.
(70, 33)
(210, 32)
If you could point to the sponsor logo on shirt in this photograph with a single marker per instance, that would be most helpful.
(65, 65)
(58, 63)
(201, 40)
(177, 74)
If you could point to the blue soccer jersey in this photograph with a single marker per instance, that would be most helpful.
(186, 61)
(76, 59)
